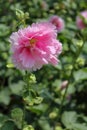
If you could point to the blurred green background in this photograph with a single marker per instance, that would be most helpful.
(51, 81)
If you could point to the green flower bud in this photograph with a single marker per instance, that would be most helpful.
(80, 61)
(19, 14)
(38, 100)
(28, 127)
(58, 128)
(52, 115)
(26, 15)
(52, 11)
(29, 100)
(79, 43)
(69, 67)
(32, 78)
(10, 65)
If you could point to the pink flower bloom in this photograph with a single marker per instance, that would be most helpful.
(58, 22)
(79, 21)
(34, 46)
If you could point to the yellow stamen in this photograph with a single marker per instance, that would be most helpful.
(32, 42)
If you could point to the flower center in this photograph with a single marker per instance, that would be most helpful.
(32, 42)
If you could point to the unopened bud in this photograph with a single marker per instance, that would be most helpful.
(28, 127)
(58, 128)
(19, 14)
(52, 115)
(69, 67)
(80, 61)
(64, 84)
(79, 43)
(32, 78)
(26, 15)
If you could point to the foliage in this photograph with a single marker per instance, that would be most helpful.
(51, 105)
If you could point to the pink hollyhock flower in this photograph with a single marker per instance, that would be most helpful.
(58, 22)
(34, 46)
(80, 22)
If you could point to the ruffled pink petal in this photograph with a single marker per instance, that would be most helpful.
(35, 46)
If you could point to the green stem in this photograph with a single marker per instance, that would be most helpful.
(23, 119)
(24, 108)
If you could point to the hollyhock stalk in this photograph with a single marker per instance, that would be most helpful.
(80, 47)
(32, 47)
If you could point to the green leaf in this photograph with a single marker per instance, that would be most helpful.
(39, 109)
(5, 96)
(4, 30)
(8, 126)
(17, 115)
(71, 89)
(80, 74)
(68, 119)
(16, 88)
(79, 126)
(85, 48)
(3, 119)
(84, 118)
(44, 124)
